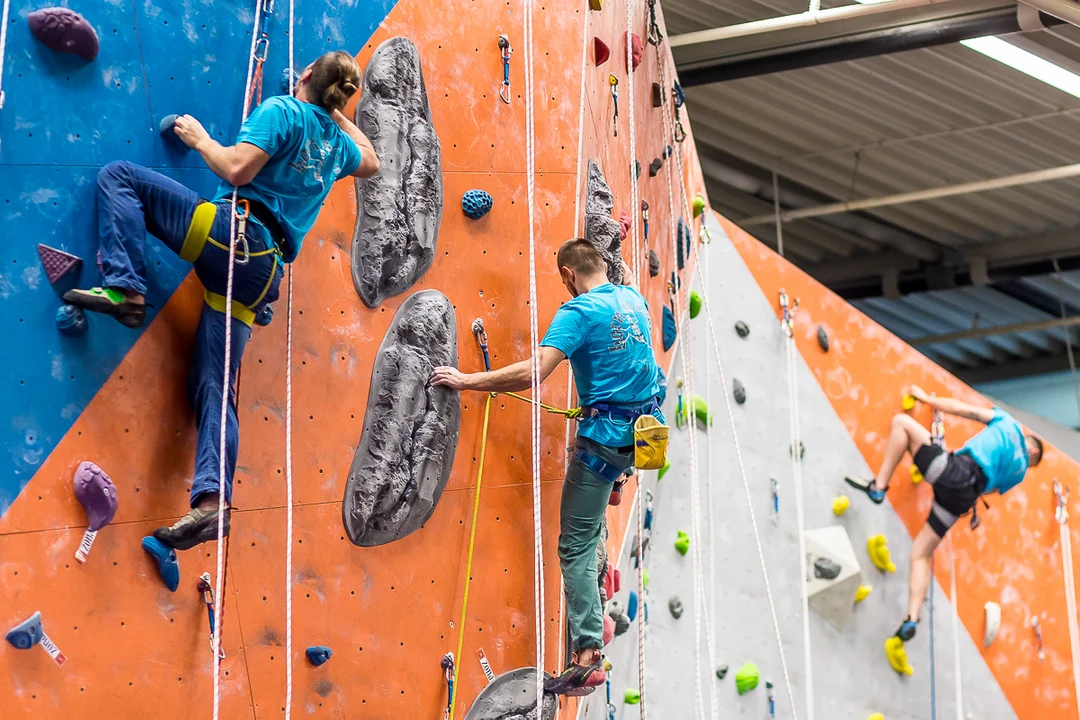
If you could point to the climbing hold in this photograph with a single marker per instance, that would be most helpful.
(699, 205)
(476, 204)
(862, 592)
(908, 403)
(894, 651)
(695, 304)
(288, 82)
(657, 95)
(601, 51)
(701, 411)
(166, 128)
(57, 263)
(742, 329)
(624, 224)
(654, 167)
(663, 471)
(802, 450)
(747, 678)
(615, 612)
(738, 390)
(264, 315)
(165, 557)
(676, 607)
(840, 504)
(631, 697)
(609, 629)
(631, 606)
(721, 672)
(682, 543)
(637, 169)
(668, 151)
(601, 229)
(826, 568)
(682, 247)
(26, 634)
(822, 338)
(318, 654)
(64, 31)
(96, 493)
(596, 5)
(876, 716)
(637, 49)
(645, 584)
(71, 320)
(654, 264)
(634, 547)
(668, 325)
(916, 475)
(879, 553)
(992, 611)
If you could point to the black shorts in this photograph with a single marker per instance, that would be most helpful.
(957, 481)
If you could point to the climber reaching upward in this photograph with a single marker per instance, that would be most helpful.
(994, 460)
(606, 332)
(288, 155)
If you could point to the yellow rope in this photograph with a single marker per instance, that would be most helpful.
(571, 414)
(468, 562)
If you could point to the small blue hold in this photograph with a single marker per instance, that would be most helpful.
(70, 320)
(318, 654)
(476, 204)
(286, 86)
(264, 315)
(670, 332)
(26, 634)
(631, 607)
(168, 134)
(165, 557)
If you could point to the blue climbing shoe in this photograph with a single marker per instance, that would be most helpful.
(876, 494)
(907, 629)
(165, 557)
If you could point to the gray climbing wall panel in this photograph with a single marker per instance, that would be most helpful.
(851, 676)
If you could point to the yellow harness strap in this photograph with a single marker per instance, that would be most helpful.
(239, 311)
(202, 220)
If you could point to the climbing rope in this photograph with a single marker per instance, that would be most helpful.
(1061, 514)
(3, 47)
(635, 251)
(933, 653)
(710, 613)
(288, 432)
(956, 630)
(534, 344)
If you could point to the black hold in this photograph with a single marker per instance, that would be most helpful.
(657, 95)
(823, 338)
(826, 568)
(167, 130)
(739, 391)
(71, 321)
(654, 167)
(802, 450)
(634, 547)
(675, 283)
(668, 150)
(742, 329)
(676, 607)
(721, 672)
(65, 31)
(682, 247)
(26, 634)
(318, 654)
(637, 169)
(264, 315)
(654, 264)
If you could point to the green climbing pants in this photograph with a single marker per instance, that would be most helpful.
(584, 501)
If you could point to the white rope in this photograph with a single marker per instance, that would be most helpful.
(534, 338)
(959, 702)
(1070, 592)
(635, 251)
(288, 440)
(791, 353)
(226, 385)
(710, 585)
(3, 46)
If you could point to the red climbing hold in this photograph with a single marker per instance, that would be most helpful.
(601, 50)
(609, 629)
(57, 263)
(624, 224)
(637, 50)
(64, 31)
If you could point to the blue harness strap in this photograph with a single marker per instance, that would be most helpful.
(630, 412)
(598, 465)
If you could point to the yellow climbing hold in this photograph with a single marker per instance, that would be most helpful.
(909, 402)
(879, 553)
(894, 650)
(862, 592)
(876, 716)
(916, 476)
(840, 504)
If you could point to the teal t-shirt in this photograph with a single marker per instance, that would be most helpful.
(308, 154)
(999, 451)
(607, 335)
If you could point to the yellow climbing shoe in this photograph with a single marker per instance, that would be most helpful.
(916, 476)
(894, 650)
(862, 592)
(879, 553)
(840, 504)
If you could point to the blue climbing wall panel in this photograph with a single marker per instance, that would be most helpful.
(63, 119)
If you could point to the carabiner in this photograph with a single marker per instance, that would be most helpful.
(241, 229)
(506, 50)
(614, 83)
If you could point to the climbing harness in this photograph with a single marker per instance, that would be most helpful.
(655, 37)
(505, 50)
(448, 672)
(3, 46)
(207, 590)
(613, 82)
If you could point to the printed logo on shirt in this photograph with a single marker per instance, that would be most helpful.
(625, 328)
(313, 157)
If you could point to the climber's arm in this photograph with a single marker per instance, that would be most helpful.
(236, 164)
(511, 378)
(952, 406)
(369, 160)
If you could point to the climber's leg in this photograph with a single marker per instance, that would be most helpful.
(905, 436)
(922, 552)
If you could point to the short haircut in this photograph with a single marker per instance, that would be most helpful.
(1038, 446)
(580, 256)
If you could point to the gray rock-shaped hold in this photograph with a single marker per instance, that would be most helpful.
(826, 568)
(512, 696)
(739, 391)
(398, 209)
(742, 329)
(634, 546)
(721, 672)
(823, 338)
(676, 607)
(654, 264)
(601, 229)
(410, 430)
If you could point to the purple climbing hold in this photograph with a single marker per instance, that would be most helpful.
(318, 654)
(26, 634)
(70, 320)
(165, 557)
(57, 263)
(64, 31)
(96, 493)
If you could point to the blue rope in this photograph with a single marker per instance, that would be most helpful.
(933, 672)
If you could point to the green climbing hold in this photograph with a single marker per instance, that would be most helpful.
(699, 205)
(701, 411)
(645, 578)
(630, 697)
(695, 304)
(682, 543)
(661, 473)
(747, 678)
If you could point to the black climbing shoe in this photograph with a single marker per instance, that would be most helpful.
(195, 528)
(876, 494)
(907, 629)
(108, 302)
(577, 680)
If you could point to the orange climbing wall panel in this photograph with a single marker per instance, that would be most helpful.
(390, 612)
(1014, 559)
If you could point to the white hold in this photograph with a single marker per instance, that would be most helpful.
(993, 623)
(831, 597)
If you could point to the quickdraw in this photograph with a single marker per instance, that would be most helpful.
(787, 322)
(1061, 513)
(207, 591)
(262, 49)
(679, 98)
(243, 212)
(504, 47)
(937, 429)
(447, 664)
(655, 37)
(645, 221)
(614, 83)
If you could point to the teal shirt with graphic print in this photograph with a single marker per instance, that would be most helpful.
(308, 154)
(607, 335)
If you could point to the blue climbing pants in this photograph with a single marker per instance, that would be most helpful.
(584, 502)
(133, 201)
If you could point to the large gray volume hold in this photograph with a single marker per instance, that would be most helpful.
(398, 209)
(410, 430)
(512, 696)
(601, 229)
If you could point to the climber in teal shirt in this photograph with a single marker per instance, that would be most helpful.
(606, 332)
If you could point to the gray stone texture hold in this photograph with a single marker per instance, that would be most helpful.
(410, 430)
(676, 607)
(826, 568)
(742, 329)
(822, 338)
(739, 391)
(398, 209)
(512, 696)
(601, 229)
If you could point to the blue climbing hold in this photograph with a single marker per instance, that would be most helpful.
(26, 634)
(169, 135)
(70, 320)
(476, 204)
(682, 247)
(318, 654)
(668, 325)
(631, 607)
(286, 86)
(165, 557)
(264, 314)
